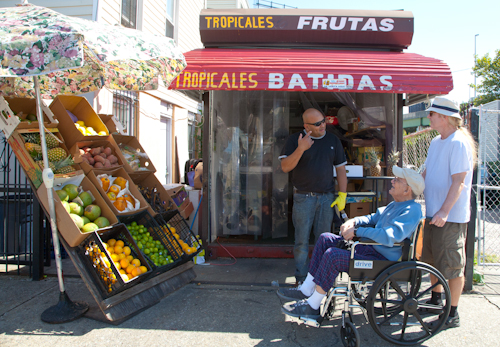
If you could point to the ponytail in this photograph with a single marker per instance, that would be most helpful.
(457, 122)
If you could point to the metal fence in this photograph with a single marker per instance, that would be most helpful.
(488, 186)
(415, 147)
(24, 241)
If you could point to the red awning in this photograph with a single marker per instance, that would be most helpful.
(314, 70)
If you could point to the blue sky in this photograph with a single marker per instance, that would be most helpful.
(444, 30)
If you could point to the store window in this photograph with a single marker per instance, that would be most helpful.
(129, 14)
(250, 191)
(250, 194)
(191, 134)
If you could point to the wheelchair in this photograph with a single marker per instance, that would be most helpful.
(390, 294)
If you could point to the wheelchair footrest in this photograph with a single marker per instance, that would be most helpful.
(316, 323)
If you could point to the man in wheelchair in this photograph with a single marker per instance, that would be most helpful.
(389, 225)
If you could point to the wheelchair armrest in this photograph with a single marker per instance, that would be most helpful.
(369, 242)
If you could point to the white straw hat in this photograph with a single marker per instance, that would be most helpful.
(413, 178)
(445, 106)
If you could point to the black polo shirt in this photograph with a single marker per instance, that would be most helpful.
(314, 171)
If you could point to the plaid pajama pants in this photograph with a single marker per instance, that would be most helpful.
(327, 260)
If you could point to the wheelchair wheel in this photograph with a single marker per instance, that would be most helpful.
(349, 335)
(384, 291)
(393, 302)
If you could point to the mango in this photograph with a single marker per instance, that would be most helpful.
(92, 212)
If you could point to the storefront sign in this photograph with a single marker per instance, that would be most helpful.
(387, 29)
(313, 70)
(279, 81)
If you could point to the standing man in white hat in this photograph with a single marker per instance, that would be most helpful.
(448, 178)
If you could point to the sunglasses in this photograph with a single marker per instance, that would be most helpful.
(317, 124)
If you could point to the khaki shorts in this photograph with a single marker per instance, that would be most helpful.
(444, 248)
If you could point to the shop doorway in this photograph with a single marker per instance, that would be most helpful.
(250, 196)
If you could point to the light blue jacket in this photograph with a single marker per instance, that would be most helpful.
(393, 224)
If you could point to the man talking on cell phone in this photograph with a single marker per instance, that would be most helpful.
(310, 156)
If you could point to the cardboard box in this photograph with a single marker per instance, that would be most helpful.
(66, 226)
(145, 164)
(180, 198)
(120, 172)
(357, 209)
(147, 184)
(32, 170)
(351, 171)
(22, 107)
(112, 123)
(77, 157)
(81, 108)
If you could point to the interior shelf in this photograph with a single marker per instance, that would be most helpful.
(364, 130)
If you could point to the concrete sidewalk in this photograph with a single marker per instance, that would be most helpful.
(228, 304)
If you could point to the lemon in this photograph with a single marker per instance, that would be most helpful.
(80, 123)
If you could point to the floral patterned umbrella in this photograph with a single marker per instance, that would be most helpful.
(74, 56)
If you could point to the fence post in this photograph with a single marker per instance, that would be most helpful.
(471, 228)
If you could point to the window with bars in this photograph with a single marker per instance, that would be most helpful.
(129, 14)
(125, 108)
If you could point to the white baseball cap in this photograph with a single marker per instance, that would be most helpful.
(413, 178)
(445, 106)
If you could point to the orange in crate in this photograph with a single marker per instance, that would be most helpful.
(111, 196)
(120, 204)
(115, 189)
(120, 181)
(105, 183)
(129, 197)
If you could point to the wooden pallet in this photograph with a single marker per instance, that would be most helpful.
(133, 300)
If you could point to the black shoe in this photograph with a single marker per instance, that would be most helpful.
(300, 309)
(428, 310)
(451, 322)
(291, 294)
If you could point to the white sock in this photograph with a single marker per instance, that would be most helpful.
(315, 299)
(307, 287)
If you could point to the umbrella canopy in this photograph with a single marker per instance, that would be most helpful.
(74, 56)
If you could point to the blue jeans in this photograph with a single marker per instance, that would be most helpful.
(309, 212)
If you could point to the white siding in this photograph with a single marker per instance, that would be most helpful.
(76, 8)
(223, 4)
(189, 25)
(109, 12)
(154, 12)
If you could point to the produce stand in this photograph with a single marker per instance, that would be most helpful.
(150, 275)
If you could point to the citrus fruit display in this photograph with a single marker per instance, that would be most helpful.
(153, 249)
(181, 245)
(102, 266)
(121, 255)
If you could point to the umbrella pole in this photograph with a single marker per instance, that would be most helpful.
(65, 310)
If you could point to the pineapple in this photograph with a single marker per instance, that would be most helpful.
(56, 154)
(31, 147)
(64, 166)
(392, 160)
(51, 165)
(32, 138)
(373, 162)
(51, 140)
